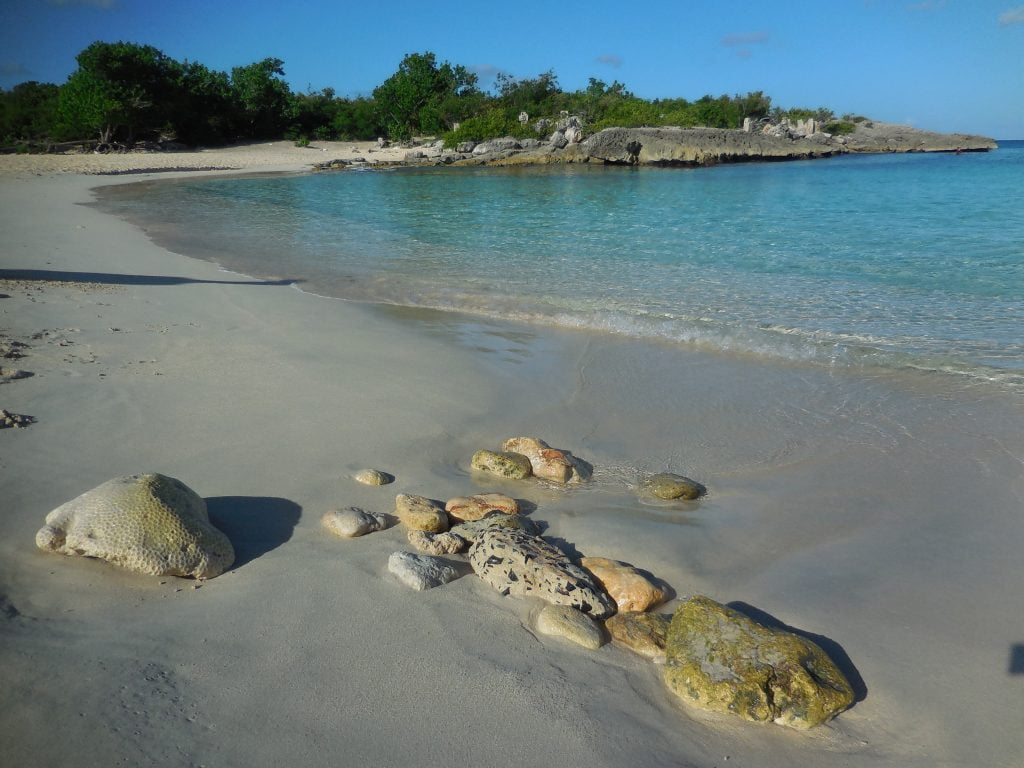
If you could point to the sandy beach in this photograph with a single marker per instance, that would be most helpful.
(880, 514)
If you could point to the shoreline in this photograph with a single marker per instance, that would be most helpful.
(266, 399)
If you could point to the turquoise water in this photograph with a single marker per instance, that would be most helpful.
(891, 260)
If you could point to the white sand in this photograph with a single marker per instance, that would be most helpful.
(892, 528)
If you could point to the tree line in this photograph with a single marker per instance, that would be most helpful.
(122, 93)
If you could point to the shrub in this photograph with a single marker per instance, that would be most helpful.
(839, 127)
(302, 141)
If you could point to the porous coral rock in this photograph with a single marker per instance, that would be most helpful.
(722, 661)
(568, 623)
(642, 633)
(150, 524)
(420, 513)
(469, 508)
(470, 530)
(630, 589)
(518, 564)
(514, 466)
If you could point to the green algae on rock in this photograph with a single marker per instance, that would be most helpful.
(150, 524)
(722, 661)
(514, 466)
(669, 486)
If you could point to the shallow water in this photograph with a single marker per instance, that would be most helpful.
(899, 261)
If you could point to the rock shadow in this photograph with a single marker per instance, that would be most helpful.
(833, 649)
(567, 548)
(254, 524)
(1016, 659)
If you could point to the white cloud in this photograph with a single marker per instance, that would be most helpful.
(752, 38)
(610, 59)
(1012, 16)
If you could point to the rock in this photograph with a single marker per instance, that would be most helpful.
(465, 147)
(420, 513)
(669, 486)
(514, 466)
(721, 661)
(643, 633)
(566, 622)
(573, 135)
(351, 522)
(630, 589)
(437, 543)
(542, 126)
(18, 420)
(150, 524)
(545, 461)
(529, 143)
(470, 530)
(421, 571)
(382, 143)
(468, 508)
(482, 148)
(372, 477)
(13, 374)
(524, 118)
(518, 564)
(558, 140)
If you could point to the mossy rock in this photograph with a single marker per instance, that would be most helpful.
(722, 661)
(514, 466)
(669, 486)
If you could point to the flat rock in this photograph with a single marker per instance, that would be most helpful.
(722, 661)
(13, 374)
(568, 623)
(643, 633)
(420, 513)
(518, 564)
(437, 543)
(372, 477)
(150, 524)
(668, 486)
(473, 528)
(352, 521)
(630, 589)
(514, 466)
(17, 420)
(421, 571)
(469, 508)
(546, 462)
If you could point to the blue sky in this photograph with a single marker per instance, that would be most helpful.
(948, 65)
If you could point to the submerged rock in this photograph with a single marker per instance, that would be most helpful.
(372, 477)
(642, 633)
(630, 589)
(150, 524)
(437, 543)
(545, 461)
(421, 571)
(352, 521)
(469, 508)
(514, 466)
(518, 564)
(420, 513)
(568, 623)
(722, 661)
(668, 486)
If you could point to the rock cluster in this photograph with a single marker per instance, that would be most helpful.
(522, 457)
(150, 524)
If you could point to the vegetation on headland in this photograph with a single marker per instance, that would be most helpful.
(122, 93)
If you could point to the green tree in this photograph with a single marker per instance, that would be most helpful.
(28, 111)
(119, 90)
(205, 110)
(262, 98)
(422, 97)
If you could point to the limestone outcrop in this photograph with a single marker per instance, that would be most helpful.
(149, 523)
(722, 661)
(518, 564)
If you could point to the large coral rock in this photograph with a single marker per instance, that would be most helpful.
(518, 564)
(642, 633)
(630, 589)
(150, 524)
(469, 508)
(420, 513)
(472, 529)
(722, 661)
(546, 462)
(568, 623)
(514, 466)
